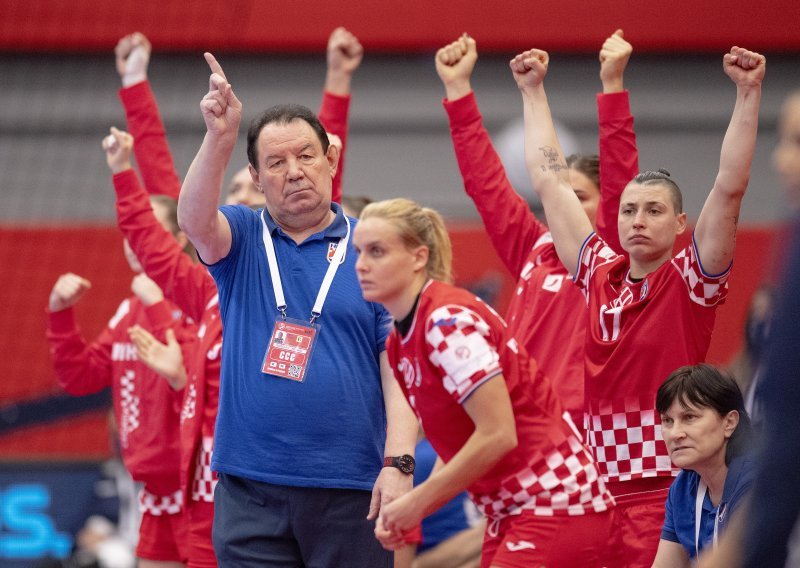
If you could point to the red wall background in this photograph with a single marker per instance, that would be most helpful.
(36, 256)
(414, 25)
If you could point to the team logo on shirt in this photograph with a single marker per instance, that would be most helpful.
(332, 252)
(521, 545)
(463, 352)
(552, 282)
(411, 372)
(644, 291)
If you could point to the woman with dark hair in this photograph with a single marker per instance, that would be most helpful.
(651, 311)
(707, 432)
(546, 312)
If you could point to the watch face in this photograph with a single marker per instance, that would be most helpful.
(405, 464)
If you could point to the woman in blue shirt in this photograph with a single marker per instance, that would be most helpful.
(707, 432)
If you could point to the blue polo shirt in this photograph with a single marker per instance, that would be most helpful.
(679, 521)
(328, 431)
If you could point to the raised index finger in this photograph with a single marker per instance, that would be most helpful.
(214, 64)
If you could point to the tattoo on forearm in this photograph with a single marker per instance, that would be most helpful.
(553, 162)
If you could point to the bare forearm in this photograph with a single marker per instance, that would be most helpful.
(338, 83)
(200, 195)
(549, 176)
(481, 452)
(401, 423)
(543, 154)
(738, 146)
(455, 90)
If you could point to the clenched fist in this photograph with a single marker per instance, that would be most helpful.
(68, 289)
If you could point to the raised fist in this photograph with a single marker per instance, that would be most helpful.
(529, 68)
(68, 289)
(118, 146)
(456, 61)
(745, 68)
(133, 56)
(614, 56)
(344, 52)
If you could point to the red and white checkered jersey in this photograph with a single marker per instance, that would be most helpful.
(455, 344)
(639, 332)
(145, 406)
(204, 481)
(158, 505)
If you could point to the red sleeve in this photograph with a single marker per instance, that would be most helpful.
(150, 146)
(594, 253)
(511, 225)
(161, 317)
(619, 161)
(80, 368)
(333, 112)
(212, 372)
(185, 283)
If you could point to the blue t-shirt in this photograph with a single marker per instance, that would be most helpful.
(328, 431)
(679, 520)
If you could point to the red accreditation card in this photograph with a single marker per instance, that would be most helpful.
(289, 351)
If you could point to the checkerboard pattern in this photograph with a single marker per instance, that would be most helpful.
(129, 405)
(158, 505)
(704, 290)
(564, 482)
(625, 437)
(457, 339)
(204, 480)
(189, 403)
(594, 253)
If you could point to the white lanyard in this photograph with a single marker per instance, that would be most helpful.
(275, 274)
(698, 514)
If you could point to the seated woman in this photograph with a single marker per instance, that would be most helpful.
(486, 408)
(707, 430)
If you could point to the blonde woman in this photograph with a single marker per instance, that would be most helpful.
(487, 410)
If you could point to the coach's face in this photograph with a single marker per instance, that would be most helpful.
(294, 173)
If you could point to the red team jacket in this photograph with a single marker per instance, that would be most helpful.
(146, 407)
(192, 287)
(182, 280)
(546, 313)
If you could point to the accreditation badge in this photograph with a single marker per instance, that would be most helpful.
(289, 351)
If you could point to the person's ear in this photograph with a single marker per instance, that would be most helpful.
(421, 255)
(681, 223)
(254, 176)
(332, 155)
(730, 422)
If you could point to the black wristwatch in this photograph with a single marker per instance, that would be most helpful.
(404, 463)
